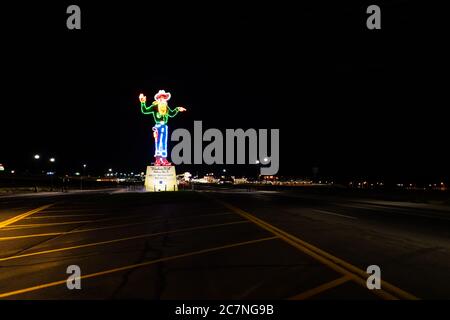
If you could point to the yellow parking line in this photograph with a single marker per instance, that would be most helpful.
(49, 224)
(133, 266)
(124, 217)
(324, 287)
(23, 215)
(148, 235)
(49, 234)
(339, 265)
(66, 215)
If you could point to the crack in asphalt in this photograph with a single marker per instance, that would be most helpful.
(161, 281)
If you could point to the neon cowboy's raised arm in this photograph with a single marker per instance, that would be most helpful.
(148, 109)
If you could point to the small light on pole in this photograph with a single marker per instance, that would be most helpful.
(36, 157)
(257, 162)
(81, 178)
(52, 160)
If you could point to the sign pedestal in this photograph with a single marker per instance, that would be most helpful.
(161, 178)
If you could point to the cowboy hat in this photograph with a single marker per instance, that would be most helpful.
(162, 94)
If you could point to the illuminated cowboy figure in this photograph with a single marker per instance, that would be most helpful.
(161, 113)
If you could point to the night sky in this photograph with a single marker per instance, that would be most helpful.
(353, 102)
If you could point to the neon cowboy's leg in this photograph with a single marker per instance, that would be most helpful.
(160, 139)
(163, 140)
(156, 135)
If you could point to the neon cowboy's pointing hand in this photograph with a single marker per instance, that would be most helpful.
(142, 98)
(181, 109)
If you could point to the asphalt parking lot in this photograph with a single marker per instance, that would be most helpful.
(215, 244)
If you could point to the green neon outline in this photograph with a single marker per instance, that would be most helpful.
(158, 117)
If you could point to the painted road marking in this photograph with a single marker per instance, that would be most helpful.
(134, 266)
(322, 288)
(101, 228)
(334, 214)
(66, 215)
(23, 215)
(395, 210)
(357, 275)
(49, 224)
(147, 235)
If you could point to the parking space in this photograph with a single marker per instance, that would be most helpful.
(166, 246)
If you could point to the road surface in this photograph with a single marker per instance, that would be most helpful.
(221, 244)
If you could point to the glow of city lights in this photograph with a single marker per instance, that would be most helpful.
(36, 156)
(52, 159)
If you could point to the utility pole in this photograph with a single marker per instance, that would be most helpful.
(84, 173)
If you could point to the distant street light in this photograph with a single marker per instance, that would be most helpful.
(36, 157)
(257, 162)
(84, 173)
(110, 170)
(52, 160)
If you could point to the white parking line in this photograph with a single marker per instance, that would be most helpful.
(335, 214)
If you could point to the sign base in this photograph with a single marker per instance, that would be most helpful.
(161, 178)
